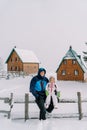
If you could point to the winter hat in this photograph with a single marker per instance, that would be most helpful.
(40, 70)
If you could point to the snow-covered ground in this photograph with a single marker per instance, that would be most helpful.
(19, 86)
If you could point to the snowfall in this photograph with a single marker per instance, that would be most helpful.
(55, 120)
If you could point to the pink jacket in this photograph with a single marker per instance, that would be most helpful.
(51, 87)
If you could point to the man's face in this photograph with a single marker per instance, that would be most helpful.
(42, 73)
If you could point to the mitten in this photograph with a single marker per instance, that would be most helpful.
(47, 93)
(58, 94)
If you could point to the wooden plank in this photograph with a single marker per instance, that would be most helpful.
(4, 111)
(26, 106)
(79, 105)
(4, 98)
(69, 115)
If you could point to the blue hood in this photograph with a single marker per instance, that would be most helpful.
(40, 70)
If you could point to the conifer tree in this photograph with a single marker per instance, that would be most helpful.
(85, 54)
(1, 64)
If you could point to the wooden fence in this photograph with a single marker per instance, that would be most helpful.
(27, 102)
(9, 101)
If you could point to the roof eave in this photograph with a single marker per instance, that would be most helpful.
(9, 56)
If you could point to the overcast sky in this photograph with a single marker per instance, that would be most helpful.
(47, 27)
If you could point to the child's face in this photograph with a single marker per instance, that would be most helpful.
(52, 80)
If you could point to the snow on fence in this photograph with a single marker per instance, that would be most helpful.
(27, 102)
(9, 107)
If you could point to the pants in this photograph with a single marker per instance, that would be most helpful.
(54, 98)
(51, 107)
(40, 102)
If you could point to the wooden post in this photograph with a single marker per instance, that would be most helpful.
(26, 106)
(10, 103)
(79, 105)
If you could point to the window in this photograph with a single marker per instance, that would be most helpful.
(11, 68)
(64, 62)
(16, 59)
(35, 68)
(76, 72)
(63, 72)
(16, 68)
(73, 61)
(12, 59)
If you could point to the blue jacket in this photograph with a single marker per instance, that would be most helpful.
(38, 84)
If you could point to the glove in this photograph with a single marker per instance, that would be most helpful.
(47, 93)
(58, 94)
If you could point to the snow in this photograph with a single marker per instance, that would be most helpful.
(20, 85)
(27, 55)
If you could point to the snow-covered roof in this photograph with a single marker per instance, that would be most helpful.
(26, 56)
(71, 54)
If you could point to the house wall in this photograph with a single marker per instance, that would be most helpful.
(69, 68)
(14, 63)
(30, 68)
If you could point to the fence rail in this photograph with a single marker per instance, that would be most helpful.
(9, 101)
(27, 102)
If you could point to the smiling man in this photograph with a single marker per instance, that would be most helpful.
(37, 88)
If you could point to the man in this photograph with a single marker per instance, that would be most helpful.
(37, 88)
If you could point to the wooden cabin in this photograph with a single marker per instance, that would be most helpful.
(21, 60)
(71, 67)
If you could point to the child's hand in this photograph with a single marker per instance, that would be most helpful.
(47, 93)
(58, 94)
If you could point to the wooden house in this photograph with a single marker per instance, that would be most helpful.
(21, 60)
(71, 67)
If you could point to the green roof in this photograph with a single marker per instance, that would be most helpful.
(71, 54)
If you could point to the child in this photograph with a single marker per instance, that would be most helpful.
(51, 91)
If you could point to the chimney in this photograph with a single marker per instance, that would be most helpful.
(14, 46)
(70, 47)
